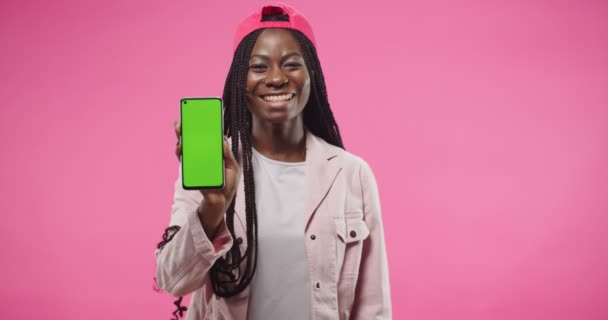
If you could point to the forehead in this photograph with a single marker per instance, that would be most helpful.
(276, 41)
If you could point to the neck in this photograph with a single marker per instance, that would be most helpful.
(282, 142)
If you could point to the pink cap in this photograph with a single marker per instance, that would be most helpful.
(254, 21)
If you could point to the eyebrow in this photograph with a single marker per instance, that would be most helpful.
(266, 57)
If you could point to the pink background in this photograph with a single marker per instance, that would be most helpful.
(486, 123)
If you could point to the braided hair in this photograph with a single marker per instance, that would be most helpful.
(226, 277)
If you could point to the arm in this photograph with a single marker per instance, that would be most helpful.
(372, 295)
(183, 263)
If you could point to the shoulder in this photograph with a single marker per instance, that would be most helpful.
(350, 162)
(358, 179)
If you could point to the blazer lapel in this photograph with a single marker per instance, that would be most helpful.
(321, 172)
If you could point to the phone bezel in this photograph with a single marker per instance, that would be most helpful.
(181, 105)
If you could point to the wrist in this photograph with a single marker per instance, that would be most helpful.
(210, 217)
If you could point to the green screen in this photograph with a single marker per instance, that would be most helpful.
(202, 139)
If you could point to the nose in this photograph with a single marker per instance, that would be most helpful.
(275, 77)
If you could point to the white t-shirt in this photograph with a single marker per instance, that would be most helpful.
(280, 288)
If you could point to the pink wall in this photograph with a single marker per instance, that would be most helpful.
(486, 124)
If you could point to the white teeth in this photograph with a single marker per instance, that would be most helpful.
(278, 98)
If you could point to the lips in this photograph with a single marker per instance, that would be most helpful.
(278, 97)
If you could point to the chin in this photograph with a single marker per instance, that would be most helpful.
(278, 119)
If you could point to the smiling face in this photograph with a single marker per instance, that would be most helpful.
(278, 83)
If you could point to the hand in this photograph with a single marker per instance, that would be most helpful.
(216, 199)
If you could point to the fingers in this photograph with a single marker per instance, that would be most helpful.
(178, 151)
(178, 145)
(178, 129)
(229, 156)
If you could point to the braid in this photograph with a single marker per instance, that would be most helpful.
(318, 117)
(226, 277)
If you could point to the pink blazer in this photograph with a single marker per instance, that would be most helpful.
(347, 256)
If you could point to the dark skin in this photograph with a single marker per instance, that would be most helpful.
(276, 68)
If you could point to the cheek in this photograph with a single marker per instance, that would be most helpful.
(251, 87)
(306, 88)
(252, 103)
(303, 80)
(307, 82)
(253, 81)
(249, 100)
(304, 94)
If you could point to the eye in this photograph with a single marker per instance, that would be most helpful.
(257, 67)
(293, 64)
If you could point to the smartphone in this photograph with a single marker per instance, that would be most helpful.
(202, 136)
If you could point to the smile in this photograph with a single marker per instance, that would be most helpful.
(282, 97)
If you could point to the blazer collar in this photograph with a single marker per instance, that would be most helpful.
(322, 167)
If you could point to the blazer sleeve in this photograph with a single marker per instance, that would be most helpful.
(183, 260)
(372, 295)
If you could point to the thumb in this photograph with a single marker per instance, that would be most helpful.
(231, 162)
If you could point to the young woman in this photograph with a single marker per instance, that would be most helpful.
(296, 233)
